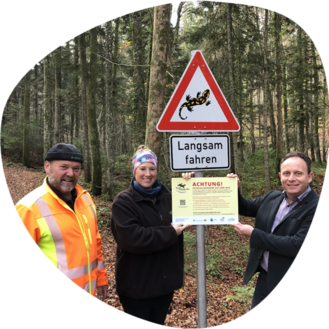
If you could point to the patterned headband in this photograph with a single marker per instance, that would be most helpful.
(144, 156)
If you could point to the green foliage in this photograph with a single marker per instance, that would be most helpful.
(86, 185)
(243, 295)
(319, 168)
(123, 165)
(12, 133)
(214, 261)
(227, 253)
(78, 143)
(189, 253)
(103, 215)
(252, 173)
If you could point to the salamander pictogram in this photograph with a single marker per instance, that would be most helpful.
(190, 102)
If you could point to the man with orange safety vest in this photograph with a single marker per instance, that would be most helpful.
(61, 218)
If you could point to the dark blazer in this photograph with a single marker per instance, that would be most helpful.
(150, 259)
(285, 241)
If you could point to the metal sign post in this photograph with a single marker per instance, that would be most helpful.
(201, 271)
(198, 105)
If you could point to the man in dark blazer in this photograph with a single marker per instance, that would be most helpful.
(283, 219)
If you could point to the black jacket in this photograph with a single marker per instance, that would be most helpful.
(285, 241)
(150, 260)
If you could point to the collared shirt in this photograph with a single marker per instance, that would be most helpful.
(284, 209)
(69, 202)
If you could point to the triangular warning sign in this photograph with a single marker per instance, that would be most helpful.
(197, 103)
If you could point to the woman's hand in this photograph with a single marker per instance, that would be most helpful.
(187, 175)
(233, 176)
(180, 227)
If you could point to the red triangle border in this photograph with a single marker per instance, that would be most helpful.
(164, 123)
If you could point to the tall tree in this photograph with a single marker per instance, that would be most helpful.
(285, 107)
(26, 125)
(266, 160)
(175, 45)
(109, 114)
(325, 96)
(232, 87)
(252, 125)
(76, 112)
(115, 85)
(35, 89)
(279, 140)
(316, 105)
(157, 75)
(96, 182)
(58, 133)
(138, 101)
(47, 115)
(300, 91)
(84, 81)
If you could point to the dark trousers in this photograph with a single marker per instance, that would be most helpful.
(261, 291)
(150, 309)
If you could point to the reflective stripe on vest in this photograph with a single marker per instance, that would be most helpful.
(81, 270)
(60, 247)
(90, 204)
(55, 233)
(100, 265)
(93, 286)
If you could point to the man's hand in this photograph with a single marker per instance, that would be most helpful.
(244, 230)
(187, 175)
(233, 176)
(180, 227)
(102, 292)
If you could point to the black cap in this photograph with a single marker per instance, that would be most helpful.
(62, 151)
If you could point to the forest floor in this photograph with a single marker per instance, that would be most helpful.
(226, 259)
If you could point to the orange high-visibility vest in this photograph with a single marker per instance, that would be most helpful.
(70, 239)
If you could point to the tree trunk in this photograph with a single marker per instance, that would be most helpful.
(309, 144)
(150, 43)
(138, 101)
(58, 133)
(109, 115)
(259, 118)
(115, 92)
(316, 107)
(96, 181)
(158, 76)
(270, 110)
(279, 141)
(266, 161)
(47, 117)
(285, 106)
(231, 79)
(252, 124)
(77, 108)
(175, 44)
(239, 107)
(35, 89)
(325, 95)
(300, 115)
(26, 124)
(84, 77)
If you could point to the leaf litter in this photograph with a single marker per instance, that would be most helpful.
(226, 255)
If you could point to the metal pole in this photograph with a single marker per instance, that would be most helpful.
(201, 271)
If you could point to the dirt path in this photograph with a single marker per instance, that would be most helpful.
(21, 180)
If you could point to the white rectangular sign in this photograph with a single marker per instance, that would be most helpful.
(199, 152)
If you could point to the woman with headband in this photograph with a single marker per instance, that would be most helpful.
(150, 259)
